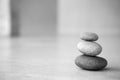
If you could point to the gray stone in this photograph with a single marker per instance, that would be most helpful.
(89, 36)
(89, 48)
(90, 62)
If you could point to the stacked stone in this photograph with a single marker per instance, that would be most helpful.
(90, 49)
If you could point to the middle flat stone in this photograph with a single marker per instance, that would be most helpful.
(89, 48)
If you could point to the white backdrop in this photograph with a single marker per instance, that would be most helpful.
(5, 18)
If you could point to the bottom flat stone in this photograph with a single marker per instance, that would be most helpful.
(91, 63)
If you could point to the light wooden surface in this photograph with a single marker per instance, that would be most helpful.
(52, 58)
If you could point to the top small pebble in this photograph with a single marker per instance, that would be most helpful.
(89, 36)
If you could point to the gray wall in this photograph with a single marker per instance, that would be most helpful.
(39, 17)
(33, 17)
(101, 16)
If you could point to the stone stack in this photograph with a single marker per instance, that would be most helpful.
(90, 49)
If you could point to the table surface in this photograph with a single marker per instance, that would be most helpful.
(52, 58)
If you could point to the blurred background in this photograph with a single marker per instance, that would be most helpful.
(38, 38)
(59, 17)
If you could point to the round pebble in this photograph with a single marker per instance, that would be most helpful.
(89, 48)
(89, 36)
(90, 63)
